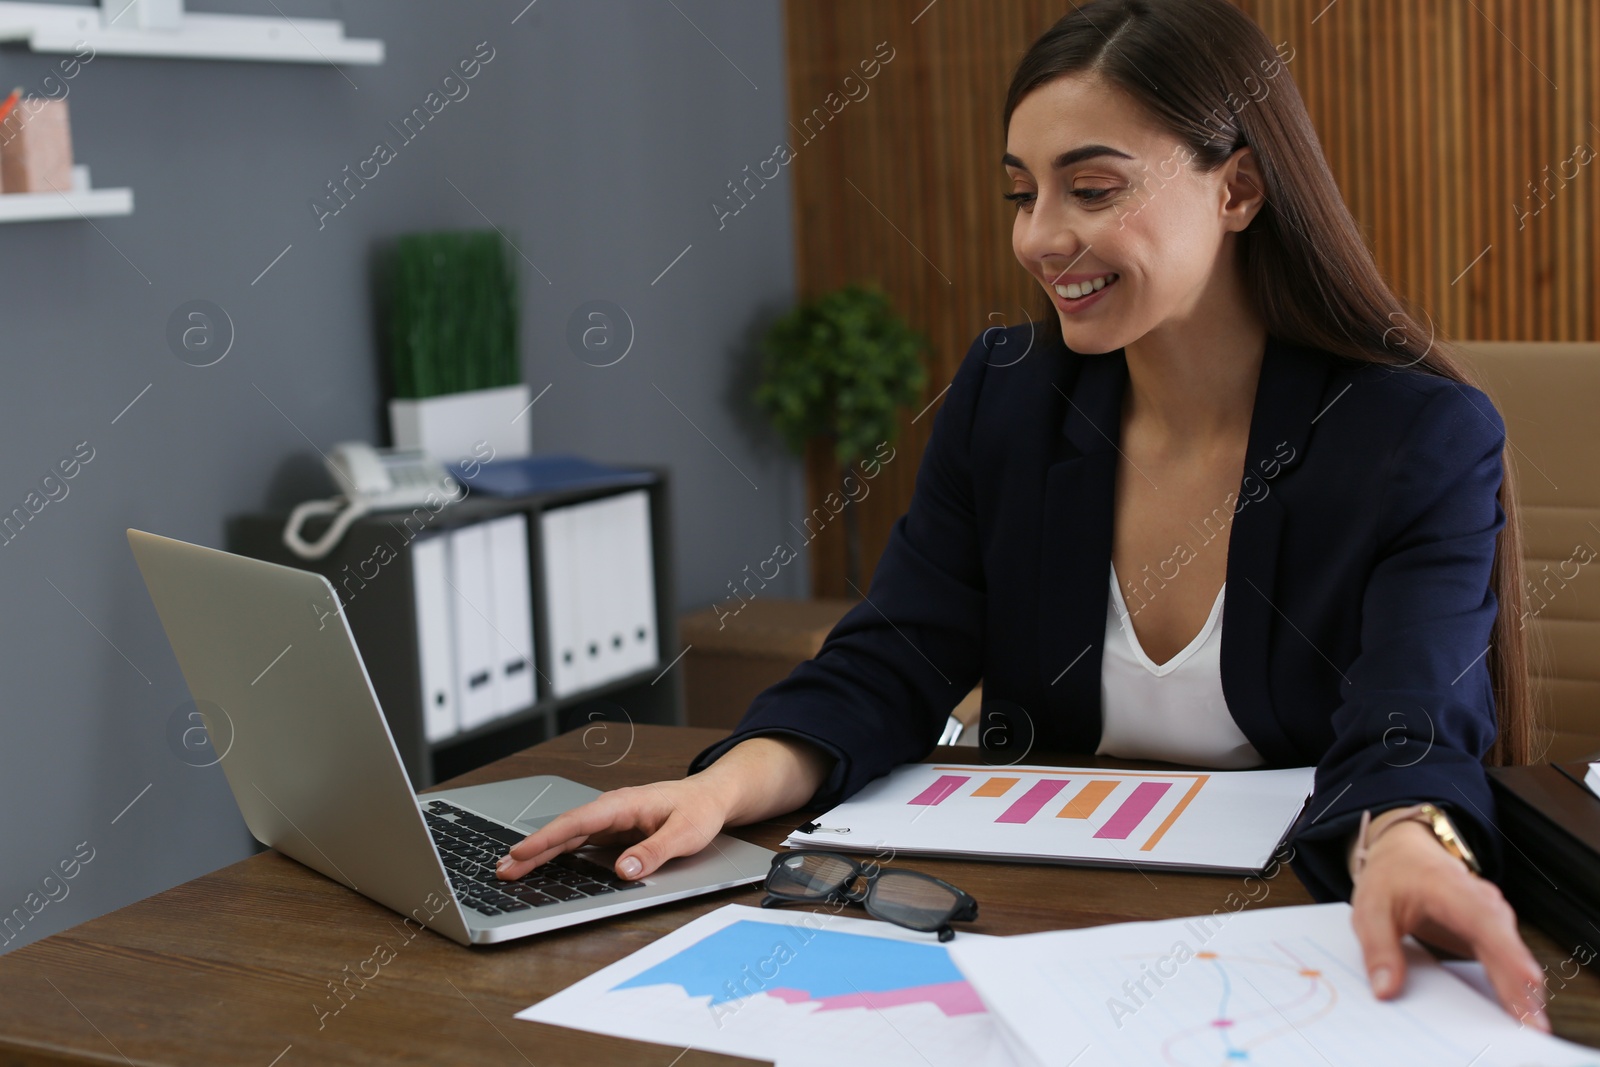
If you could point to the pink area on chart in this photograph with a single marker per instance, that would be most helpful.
(941, 788)
(952, 998)
(1123, 821)
(1028, 805)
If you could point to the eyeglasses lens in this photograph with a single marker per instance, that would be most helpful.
(902, 897)
(809, 875)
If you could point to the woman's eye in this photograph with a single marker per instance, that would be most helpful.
(1088, 196)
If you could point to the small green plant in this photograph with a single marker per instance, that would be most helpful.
(841, 367)
(452, 314)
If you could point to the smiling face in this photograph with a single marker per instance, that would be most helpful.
(1114, 220)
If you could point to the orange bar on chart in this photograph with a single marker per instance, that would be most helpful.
(1089, 797)
(1172, 816)
(995, 787)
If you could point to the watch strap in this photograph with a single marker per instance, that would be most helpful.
(1429, 815)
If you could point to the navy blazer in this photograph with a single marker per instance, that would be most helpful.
(1359, 602)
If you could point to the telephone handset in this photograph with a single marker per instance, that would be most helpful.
(373, 481)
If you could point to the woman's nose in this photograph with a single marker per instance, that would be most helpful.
(1047, 242)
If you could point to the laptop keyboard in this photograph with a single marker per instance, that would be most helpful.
(470, 845)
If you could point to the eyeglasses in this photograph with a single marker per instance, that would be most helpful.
(905, 898)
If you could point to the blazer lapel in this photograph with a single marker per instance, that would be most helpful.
(1288, 401)
(1075, 550)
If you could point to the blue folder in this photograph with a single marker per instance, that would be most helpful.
(543, 474)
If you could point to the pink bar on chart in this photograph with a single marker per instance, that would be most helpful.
(941, 788)
(1028, 805)
(1123, 821)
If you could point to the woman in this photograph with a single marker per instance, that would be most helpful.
(1222, 389)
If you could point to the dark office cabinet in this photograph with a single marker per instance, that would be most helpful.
(371, 570)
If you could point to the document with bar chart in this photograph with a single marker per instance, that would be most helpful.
(1198, 820)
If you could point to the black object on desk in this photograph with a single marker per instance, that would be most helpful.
(1551, 825)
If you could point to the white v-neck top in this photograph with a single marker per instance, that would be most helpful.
(1171, 711)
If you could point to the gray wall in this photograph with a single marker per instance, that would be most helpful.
(599, 134)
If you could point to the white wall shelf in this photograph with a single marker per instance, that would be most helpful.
(66, 27)
(78, 202)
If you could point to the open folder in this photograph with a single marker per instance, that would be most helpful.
(1195, 820)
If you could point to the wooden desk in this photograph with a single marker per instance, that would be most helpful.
(227, 968)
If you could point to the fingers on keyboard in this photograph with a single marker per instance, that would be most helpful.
(470, 846)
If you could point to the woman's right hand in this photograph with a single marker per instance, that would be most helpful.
(756, 779)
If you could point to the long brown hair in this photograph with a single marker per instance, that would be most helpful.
(1208, 74)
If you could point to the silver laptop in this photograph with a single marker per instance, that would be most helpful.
(308, 754)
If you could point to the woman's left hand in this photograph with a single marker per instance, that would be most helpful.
(1411, 885)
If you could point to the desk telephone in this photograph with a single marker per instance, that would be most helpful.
(373, 481)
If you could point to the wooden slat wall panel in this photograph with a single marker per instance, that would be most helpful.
(1437, 116)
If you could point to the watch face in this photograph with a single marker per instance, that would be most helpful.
(1453, 842)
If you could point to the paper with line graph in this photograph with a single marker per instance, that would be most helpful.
(1281, 986)
(1200, 820)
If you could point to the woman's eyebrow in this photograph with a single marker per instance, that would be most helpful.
(1068, 158)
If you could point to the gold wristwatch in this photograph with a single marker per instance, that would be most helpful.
(1429, 815)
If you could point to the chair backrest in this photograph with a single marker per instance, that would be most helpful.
(1549, 395)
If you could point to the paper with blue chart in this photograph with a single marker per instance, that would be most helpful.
(794, 987)
(1279, 986)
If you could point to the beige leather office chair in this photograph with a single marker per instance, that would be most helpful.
(1549, 395)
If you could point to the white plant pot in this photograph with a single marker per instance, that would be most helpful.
(455, 426)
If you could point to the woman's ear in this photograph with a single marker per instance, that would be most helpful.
(1246, 190)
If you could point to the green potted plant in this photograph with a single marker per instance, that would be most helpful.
(454, 369)
(841, 368)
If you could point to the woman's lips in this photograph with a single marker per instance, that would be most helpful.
(1067, 303)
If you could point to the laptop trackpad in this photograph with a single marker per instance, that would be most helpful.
(527, 804)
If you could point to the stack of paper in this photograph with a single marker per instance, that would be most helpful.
(1199, 820)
